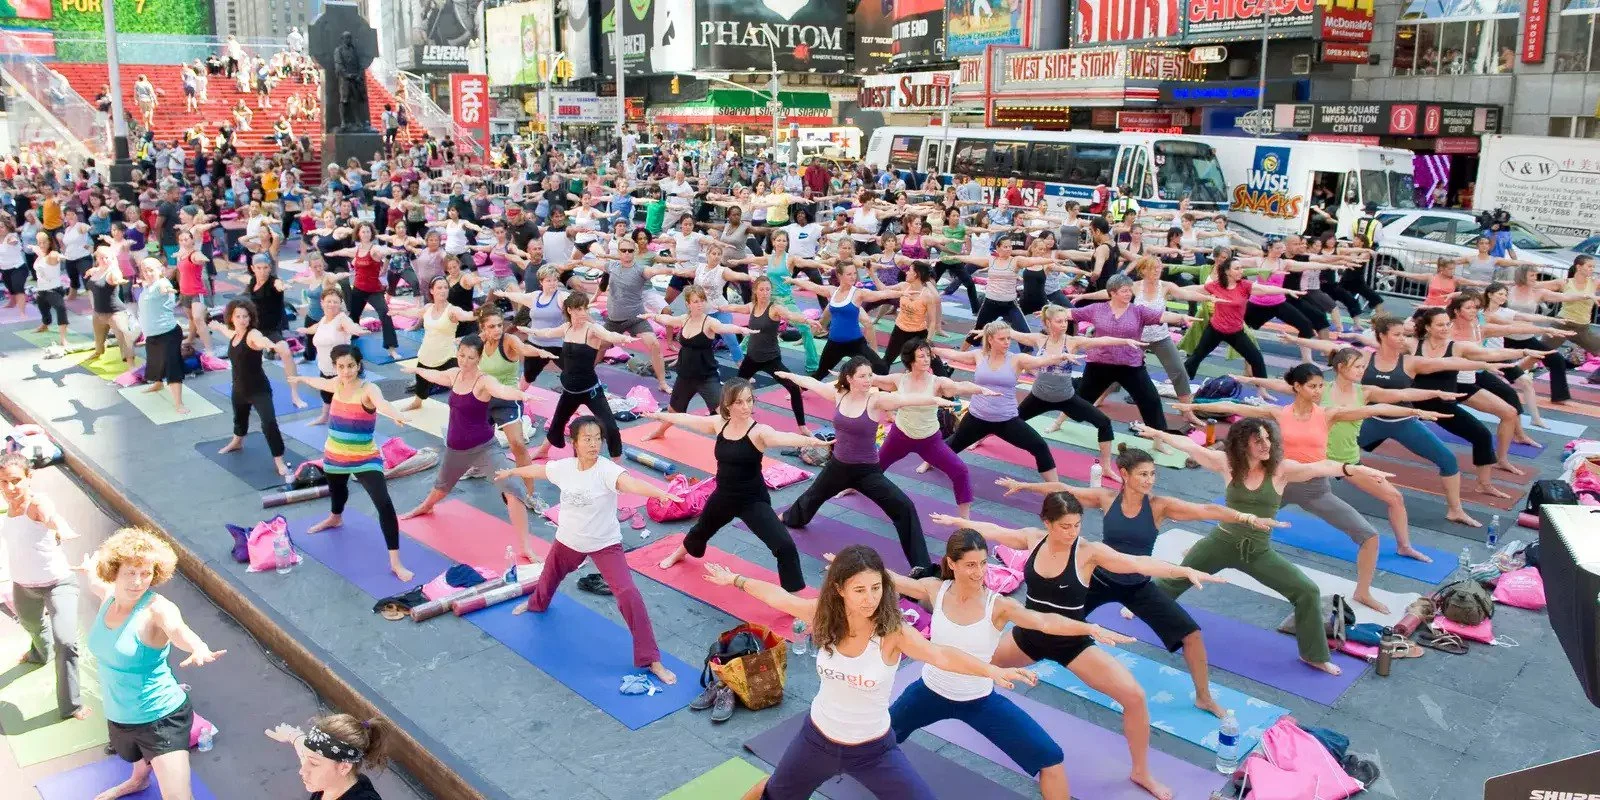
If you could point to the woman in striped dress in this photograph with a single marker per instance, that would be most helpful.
(351, 451)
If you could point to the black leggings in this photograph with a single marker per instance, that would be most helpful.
(797, 401)
(1491, 382)
(1554, 362)
(869, 480)
(1075, 407)
(377, 488)
(971, 430)
(685, 387)
(756, 513)
(1256, 316)
(898, 339)
(1464, 425)
(834, 353)
(1097, 379)
(568, 404)
(51, 300)
(264, 410)
(359, 300)
(963, 275)
(531, 367)
(1354, 282)
(1239, 340)
(992, 310)
(76, 268)
(422, 389)
(1316, 316)
(17, 280)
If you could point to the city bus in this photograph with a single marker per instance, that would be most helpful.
(1161, 168)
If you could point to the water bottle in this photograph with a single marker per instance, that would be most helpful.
(1096, 476)
(1464, 561)
(511, 565)
(1492, 535)
(206, 738)
(1228, 745)
(282, 553)
(801, 640)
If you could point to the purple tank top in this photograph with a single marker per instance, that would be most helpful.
(856, 439)
(1001, 407)
(469, 422)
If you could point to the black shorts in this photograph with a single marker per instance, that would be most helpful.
(1048, 647)
(679, 282)
(1147, 602)
(170, 734)
(504, 412)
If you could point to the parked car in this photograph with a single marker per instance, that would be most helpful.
(1413, 240)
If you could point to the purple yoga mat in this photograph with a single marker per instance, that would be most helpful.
(950, 781)
(828, 535)
(1097, 759)
(92, 779)
(855, 501)
(355, 550)
(1518, 449)
(1264, 656)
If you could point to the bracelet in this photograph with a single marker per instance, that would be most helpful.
(1346, 470)
(738, 582)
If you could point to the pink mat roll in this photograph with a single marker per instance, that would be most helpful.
(495, 596)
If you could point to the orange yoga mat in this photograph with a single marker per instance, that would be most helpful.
(687, 576)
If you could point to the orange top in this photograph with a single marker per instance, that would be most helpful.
(50, 214)
(1439, 290)
(1304, 440)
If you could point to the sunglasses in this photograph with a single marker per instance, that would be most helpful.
(625, 250)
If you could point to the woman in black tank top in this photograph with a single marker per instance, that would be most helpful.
(1070, 560)
(761, 353)
(582, 342)
(266, 292)
(741, 491)
(462, 285)
(251, 386)
(697, 357)
(106, 287)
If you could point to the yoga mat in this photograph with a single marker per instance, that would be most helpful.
(252, 464)
(1410, 475)
(282, 403)
(1097, 764)
(687, 576)
(108, 366)
(92, 779)
(356, 551)
(1078, 434)
(730, 779)
(302, 430)
(950, 781)
(1169, 692)
(1518, 449)
(51, 338)
(372, 351)
(825, 534)
(1173, 544)
(1555, 426)
(431, 418)
(30, 723)
(1310, 533)
(467, 534)
(860, 503)
(1263, 656)
(158, 408)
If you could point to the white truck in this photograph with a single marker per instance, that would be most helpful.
(1271, 181)
(1551, 185)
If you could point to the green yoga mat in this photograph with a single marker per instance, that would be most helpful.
(158, 405)
(108, 366)
(30, 723)
(732, 778)
(52, 338)
(1083, 436)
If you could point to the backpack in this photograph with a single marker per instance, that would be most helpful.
(1554, 492)
(1465, 602)
(1216, 389)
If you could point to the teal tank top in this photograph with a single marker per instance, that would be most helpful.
(136, 681)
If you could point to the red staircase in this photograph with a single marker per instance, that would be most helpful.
(172, 120)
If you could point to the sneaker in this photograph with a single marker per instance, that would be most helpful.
(594, 584)
(707, 698)
(722, 704)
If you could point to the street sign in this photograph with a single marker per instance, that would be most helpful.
(941, 79)
(1210, 54)
(1257, 122)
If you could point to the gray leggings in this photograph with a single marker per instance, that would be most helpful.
(1584, 336)
(1317, 497)
(53, 611)
(1166, 351)
(455, 464)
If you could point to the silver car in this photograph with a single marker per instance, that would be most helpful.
(1413, 240)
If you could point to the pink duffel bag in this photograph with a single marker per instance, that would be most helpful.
(1523, 588)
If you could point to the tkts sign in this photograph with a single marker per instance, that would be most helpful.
(1209, 18)
(469, 104)
(916, 91)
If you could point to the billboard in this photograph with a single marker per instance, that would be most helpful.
(187, 17)
(1111, 21)
(1210, 19)
(437, 33)
(971, 25)
(874, 19)
(638, 30)
(575, 38)
(802, 35)
(917, 31)
(910, 91)
(582, 108)
(517, 34)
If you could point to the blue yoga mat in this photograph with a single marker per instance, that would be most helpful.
(301, 430)
(1518, 449)
(372, 352)
(828, 535)
(282, 404)
(1311, 533)
(92, 779)
(1170, 695)
(355, 550)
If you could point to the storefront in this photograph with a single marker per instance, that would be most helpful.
(725, 111)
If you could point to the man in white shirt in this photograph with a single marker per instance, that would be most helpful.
(296, 41)
(679, 192)
(792, 182)
(630, 143)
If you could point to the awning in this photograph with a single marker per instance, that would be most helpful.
(741, 107)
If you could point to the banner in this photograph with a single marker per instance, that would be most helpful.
(1343, 24)
(802, 35)
(1559, 780)
(1388, 119)
(1221, 18)
(439, 34)
(1340, 53)
(187, 17)
(518, 34)
(1111, 21)
(1535, 25)
(575, 38)
(1098, 64)
(912, 91)
(918, 32)
(469, 104)
(874, 19)
(638, 21)
(972, 25)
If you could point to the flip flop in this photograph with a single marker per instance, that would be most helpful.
(1445, 642)
(1403, 648)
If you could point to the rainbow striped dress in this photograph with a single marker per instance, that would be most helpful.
(350, 446)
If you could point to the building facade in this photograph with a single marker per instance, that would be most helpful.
(253, 19)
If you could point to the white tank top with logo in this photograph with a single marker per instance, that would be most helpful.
(852, 702)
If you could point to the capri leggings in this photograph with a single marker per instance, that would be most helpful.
(1097, 380)
(1075, 407)
(797, 401)
(568, 404)
(992, 310)
(757, 515)
(1559, 392)
(1166, 351)
(377, 490)
(994, 716)
(934, 450)
(837, 476)
(1413, 436)
(972, 430)
(455, 464)
(1255, 316)
(1308, 309)
(1238, 340)
(1317, 497)
(422, 389)
(685, 388)
(1464, 425)
(531, 367)
(1491, 382)
(835, 352)
(963, 277)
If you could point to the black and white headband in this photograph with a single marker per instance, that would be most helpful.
(320, 742)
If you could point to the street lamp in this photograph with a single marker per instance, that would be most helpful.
(774, 104)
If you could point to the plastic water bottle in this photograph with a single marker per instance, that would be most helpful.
(1492, 535)
(511, 565)
(207, 737)
(1464, 562)
(1096, 476)
(802, 638)
(1228, 745)
(282, 553)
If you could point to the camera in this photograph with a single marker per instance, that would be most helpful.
(1494, 220)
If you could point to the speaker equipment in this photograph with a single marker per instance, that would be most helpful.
(1569, 561)
(1576, 778)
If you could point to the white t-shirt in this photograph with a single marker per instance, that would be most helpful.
(75, 242)
(687, 247)
(558, 246)
(864, 218)
(588, 504)
(803, 239)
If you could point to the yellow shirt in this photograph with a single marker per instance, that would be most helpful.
(269, 186)
(1576, 311)
(51, 215)
(778, 212)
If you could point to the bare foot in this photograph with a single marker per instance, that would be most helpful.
(125, 788)
(412, 406)
(1529, 440)
(660, 670)
(542, 453)
(394, 354)
(42, 329)
(1509, 468)
(81, 713)
(665, 389)
(1366, 599)
(1462, 517)
(333, 521)
(405, 575)
(1491, 491)
(182, 409)
(1147, 782)
(153, 388)
(1323, 666)
(923, 467)
(522, 608)
(234, 445)
(418, 511)
(1209, 705)
(1126, 614)
(671, 561)
(1412, 552)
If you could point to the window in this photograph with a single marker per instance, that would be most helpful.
(972, 157)
(1092, 164)
(1405, 49)
(1575, 127)
(1189, 168)
(1575, 43)
(1427, 50)
(903, 151)
(1434, 229)
(1010, 159)
(1486, 45)
(1049, 162)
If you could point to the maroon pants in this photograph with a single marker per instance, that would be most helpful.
(562, 560)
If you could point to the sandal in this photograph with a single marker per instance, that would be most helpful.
(1443, 641)
(1403, 648)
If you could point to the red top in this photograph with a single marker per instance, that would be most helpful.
(1014, 196)
(191, 275)
(1227, 314)
(365, 269)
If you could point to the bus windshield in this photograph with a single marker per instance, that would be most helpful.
(1189, 168)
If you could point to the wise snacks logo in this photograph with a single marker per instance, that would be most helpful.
(1266, 187)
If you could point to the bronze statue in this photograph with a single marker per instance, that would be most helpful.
(352, 76)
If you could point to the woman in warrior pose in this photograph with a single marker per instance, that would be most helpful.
(916, 428)
(697, 358)
(582, 341)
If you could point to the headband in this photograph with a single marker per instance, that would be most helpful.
(320, 742)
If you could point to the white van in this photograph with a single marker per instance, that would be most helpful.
(1550, 183)
(1271, 181)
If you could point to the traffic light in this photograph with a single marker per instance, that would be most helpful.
(674, 84)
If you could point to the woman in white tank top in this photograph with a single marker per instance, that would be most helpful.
(335, 328)
(42, 581)
(971, 618)
(848, 730)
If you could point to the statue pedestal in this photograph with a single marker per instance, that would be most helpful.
(337, 148)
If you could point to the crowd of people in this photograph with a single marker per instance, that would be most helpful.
(705, 262)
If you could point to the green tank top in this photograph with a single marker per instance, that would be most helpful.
(1263, 501)
(497, 366)
(1342, 435)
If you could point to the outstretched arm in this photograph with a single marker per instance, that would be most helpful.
(1015, 538)
(812, 384)
(1090, 498)
(799, 607)
(1204, 456)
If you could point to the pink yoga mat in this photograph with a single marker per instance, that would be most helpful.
(687, 576)
(469, 535)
